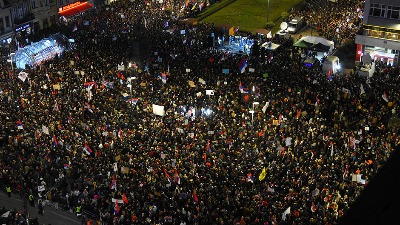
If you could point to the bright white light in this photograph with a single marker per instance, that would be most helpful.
(208, 112)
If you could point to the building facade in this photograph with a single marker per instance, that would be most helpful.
(380, 36)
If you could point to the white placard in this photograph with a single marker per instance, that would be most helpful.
(209, 92)
(158, 110)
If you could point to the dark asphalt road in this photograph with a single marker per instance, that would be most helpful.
(51, 215)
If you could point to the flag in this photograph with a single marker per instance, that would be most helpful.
(124, 198)
(164, 78)
(208, 146)
(329, 75)
(264, 108)
(250, 177)
(55, 108)
(286, 212)
(22, 76)
(75, 28)
(132, 100)
(317, 100)
(346, 172)
(331, 145)
(240, 87)
(187, 3)
(167, 176)
(242, 65)
(89, 85)
(87, 149)
(6, 214)
(88, 107)
(55, 142)
(313, 207)
(280, 119)
(108, 84)
(352, 143)
(69, 118)
(385, 96)
(67, 166)
(362, 91)
(195, 198)
(262, 174)
(246, 97)
(113, 185)
(19, 125)
(176, 177)
(298, 114)
(120, 134)
(116, 208)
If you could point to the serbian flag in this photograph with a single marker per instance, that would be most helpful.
(329, 75)
(195, 198)
(88, 107)
(242, 65)
(87, 149)
(187, 3)
(19, 125)
(317, 100)
(89, 85)
(164, 78)
(116, 208)
(67, 166)
(55, 142)
(176, 177)
(113, 184)
(69, 118)
(167, 175)
(124, 198)
(208, 146)
(240, 87)
(120, 134)
(132, 100)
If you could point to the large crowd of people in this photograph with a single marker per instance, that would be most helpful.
(340, 25)
(243, 139)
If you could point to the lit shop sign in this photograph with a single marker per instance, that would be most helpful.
(22, 27)
(71, 6)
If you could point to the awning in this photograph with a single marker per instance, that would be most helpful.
(78, 8)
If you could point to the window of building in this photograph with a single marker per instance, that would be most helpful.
(45, 23)
(52, 19)
(33, 4)
(1, 25)
(7, 19)
(25, 8)
(13, 13)
(377, 10)
(392, 36)
(393, 12)
(20, 11)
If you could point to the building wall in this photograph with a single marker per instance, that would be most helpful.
(6, 28)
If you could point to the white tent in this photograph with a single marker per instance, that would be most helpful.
(315, 40)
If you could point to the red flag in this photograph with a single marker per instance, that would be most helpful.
(195, 198)
(120, 134)
(298, 114)
(167, 175)
(124, 198)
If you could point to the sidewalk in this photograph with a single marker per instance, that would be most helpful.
(51, 215)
